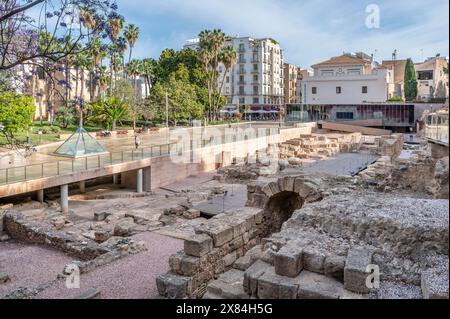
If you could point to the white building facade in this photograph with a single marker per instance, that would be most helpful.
(347, 79)
(256, 80)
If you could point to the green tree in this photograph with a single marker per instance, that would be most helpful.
(131, 34)
(110, 111)
(183, 101)
(16, 114)
(410, 81)
(65, 116)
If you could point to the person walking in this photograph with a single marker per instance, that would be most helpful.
(137, 142)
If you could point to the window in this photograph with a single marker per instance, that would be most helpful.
(354, 72)
(241, 58)
(364, 90)
(338, 90)
(327, 73)
(256, 100)
(228, 79)
(241, 78)
(255, 67)
(220, 69)
(241, 47)
(227, 90)
(344, 115)
(314, 90)
(241, 90)
(255, 78)
(255, 90)
(242, 100)
(425, 75)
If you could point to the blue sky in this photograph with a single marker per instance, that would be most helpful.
(309, 30)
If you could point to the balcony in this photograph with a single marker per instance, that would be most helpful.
(255, 71)
(256, 60)
(241, 50)
(241, 71)
(242, 61)
(242, 83)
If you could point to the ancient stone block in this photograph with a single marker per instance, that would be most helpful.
(434, 283)
(313, 260)
(102, 236)
(252, 275)
(191, 214)
(4, 278)
(92, 293)
(230, 259)
(198, 245)
(100, 216)
(220, 233)
(334, 267)
(189, 265)
(229, 285)
(288, 262)
(269, 285)
(173, 286)
(355, 274)
(315, 286)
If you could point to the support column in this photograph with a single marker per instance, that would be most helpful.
(140, 181)
(82, 187)
(40, 196)
(116, 179)
(65, 198)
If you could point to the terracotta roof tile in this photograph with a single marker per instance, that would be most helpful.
(341, 60)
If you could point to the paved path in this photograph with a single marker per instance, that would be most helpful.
(342, 164)
(133, 277)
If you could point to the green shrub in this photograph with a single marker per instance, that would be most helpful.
(55, 129)
(396, 99)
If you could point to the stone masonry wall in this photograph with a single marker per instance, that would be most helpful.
(220, 241)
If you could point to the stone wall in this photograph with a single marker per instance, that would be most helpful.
(222, 240)
(216, 246)
(91, 253)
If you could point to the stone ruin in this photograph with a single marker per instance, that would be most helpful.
(319, 146)
(223, 239)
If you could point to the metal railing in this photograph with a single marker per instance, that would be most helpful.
(29, 172)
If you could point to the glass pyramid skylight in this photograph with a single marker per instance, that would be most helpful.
(80, 144)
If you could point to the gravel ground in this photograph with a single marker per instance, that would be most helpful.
(397, 290)
(28, 265)
(132, 277)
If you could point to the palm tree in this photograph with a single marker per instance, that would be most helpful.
(134, 70)
(115, 27)
(211, 44)
(228, 58)
(131, 34)
(148, 67)
(87, 18)
(115, 110)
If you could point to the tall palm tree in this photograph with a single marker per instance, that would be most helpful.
(115, 25)
(148, 67)
(131, 34)
(211, 44)
(134, 71)
(228, 57)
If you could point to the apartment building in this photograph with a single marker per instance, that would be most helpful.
(256, 82)
(352, 78)
(397, 68)
(291, 78)
(431, 79)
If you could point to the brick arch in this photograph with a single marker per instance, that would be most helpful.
(260, 192)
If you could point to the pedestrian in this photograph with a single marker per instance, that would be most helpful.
(137, 142)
